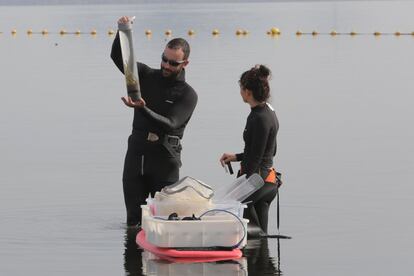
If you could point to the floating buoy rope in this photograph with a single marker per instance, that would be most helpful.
(273, 31)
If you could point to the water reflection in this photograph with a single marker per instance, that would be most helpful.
(256, 260)
(132, 253)
(154, 265)
(259, 261)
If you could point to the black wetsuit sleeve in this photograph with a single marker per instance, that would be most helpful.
(260, 134)
(116, 53)
(239, 156)
(179, 114)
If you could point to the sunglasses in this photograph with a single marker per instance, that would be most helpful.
(173, 63)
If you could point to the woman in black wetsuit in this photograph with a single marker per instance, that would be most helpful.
(260, 147)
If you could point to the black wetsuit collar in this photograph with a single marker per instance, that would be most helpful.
(258, 107)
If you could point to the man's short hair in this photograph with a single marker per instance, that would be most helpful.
(180, 43)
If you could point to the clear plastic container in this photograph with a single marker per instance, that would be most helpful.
(186, 197)
(191, 185)
(234, 207)
(240, 189)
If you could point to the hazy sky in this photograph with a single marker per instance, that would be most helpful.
(65, 2)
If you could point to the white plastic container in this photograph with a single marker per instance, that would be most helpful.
(234, 207)
(218, 230)
(182, 208)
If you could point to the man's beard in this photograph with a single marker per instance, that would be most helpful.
(169, 74)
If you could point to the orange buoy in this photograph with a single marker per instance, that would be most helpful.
(275, 31)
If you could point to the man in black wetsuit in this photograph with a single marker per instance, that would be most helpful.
(153, 158)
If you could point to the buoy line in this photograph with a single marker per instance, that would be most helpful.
(272, 32)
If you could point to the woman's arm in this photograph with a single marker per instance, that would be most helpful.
(251, 159)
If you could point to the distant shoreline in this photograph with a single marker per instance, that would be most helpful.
(126, 2)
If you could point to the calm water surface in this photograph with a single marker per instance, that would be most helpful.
(345, 141)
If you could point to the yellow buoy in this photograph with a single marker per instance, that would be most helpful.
(191, 32)
(148, 32)
(111, 32)
(315, 33)
(239, 32)
(377, 33)
(14, 32)
(245, 32)
(45, 32)
(29, 32)
(334, 33)
(275, 31)
(412, 33)
(299, 33)
(94, 32)
(62, 32)
(353, 33)
(215, 32)
(78, 32)
(168, 32)
(397, 33)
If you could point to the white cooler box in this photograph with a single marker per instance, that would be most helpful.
(218, 230)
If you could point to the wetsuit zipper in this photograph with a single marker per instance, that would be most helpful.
(142, 164)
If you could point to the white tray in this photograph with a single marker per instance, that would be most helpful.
(217, 230)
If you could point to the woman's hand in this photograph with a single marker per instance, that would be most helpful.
(129, 102)
(227, 158)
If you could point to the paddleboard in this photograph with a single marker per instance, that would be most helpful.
(193, 254)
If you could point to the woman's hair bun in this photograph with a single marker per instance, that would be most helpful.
(257, 80)
(263, 71)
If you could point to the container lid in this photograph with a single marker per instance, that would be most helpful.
(188, 183)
